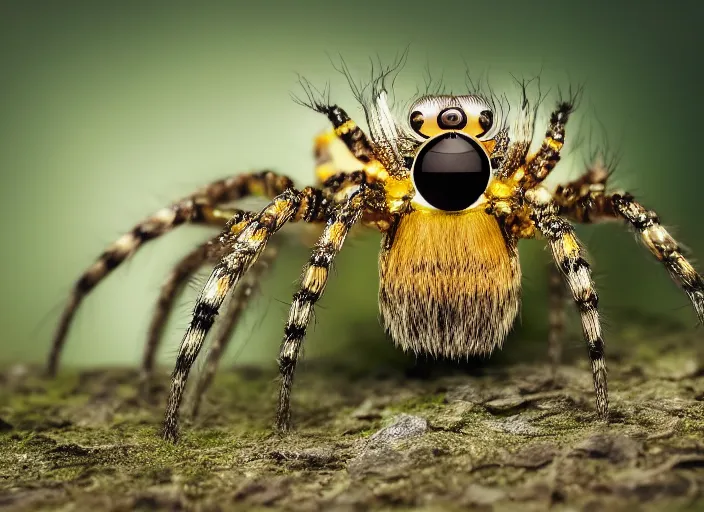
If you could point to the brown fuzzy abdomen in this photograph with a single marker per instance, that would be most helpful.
(449, 284)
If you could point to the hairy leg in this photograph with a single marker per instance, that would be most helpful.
(171, 287)
(211, 250)
(569, 257)
(238, 303)
(522, 172)
(539, 166)
(200, 207)
(315, 275)
(244, 249)
(585, 200)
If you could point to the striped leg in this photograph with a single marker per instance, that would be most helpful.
(315, 276)
(246, 247)
(344, 127)
(172, 286)
(242, 295)
(569, 258)
(585, 200)
(539, 166)
(200, 207)
(664, 247)
(211, 250)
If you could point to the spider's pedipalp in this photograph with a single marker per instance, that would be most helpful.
(344, 127)
(292, 204)
(538, 167)
(344, 215)
(569, 258)
(202, 207)
(244, 292)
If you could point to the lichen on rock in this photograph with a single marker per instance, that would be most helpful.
(504, 437)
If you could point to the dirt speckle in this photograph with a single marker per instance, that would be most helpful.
(505, 438)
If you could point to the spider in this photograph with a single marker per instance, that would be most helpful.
(452, 188)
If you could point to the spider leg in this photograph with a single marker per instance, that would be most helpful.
(171, 287)
(585, 201)
(210, 250)
(569, 257)
(242, 295)
(664, 247)
(200, 208)
(539, 166)
(349, 132)
(343, 217)
(308, 204)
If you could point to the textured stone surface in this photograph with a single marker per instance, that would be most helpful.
(501, 438)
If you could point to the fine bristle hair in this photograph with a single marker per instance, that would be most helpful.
(315, 99)
(377, 99)
(440, 296)
(499, 103)
(570, 99)
(602, 152)
(524, 125)
(433, 87)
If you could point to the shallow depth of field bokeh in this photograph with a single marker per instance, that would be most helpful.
(111, 110)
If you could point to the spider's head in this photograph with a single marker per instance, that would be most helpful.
(470, 114)
(451, 169)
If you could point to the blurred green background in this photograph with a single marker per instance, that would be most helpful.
(109, 110)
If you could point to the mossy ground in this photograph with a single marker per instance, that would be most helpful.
(505, 437)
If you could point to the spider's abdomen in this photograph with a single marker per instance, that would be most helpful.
(449, 284)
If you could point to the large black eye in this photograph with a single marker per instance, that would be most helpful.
(452, 119)
(486, 121)
(451, 171)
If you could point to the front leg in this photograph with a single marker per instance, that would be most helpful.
(569, 258)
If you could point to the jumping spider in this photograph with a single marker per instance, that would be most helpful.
(452, 190)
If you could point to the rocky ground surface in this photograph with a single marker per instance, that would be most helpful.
(501, 437)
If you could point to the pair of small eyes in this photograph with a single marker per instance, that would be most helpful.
(452, 118)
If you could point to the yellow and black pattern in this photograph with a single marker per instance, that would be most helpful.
(341, 219)
(243, 294)
(664, 247)
(449, 280)
(202, 207)
(208, 252)
(586, 200)
(247, 246)
(346, 130)
(172, 286)
(156, 225)
(538, 167)
(569, 258)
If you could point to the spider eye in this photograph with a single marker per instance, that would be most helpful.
(486, 121)
(417, 120)
(452, 118)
